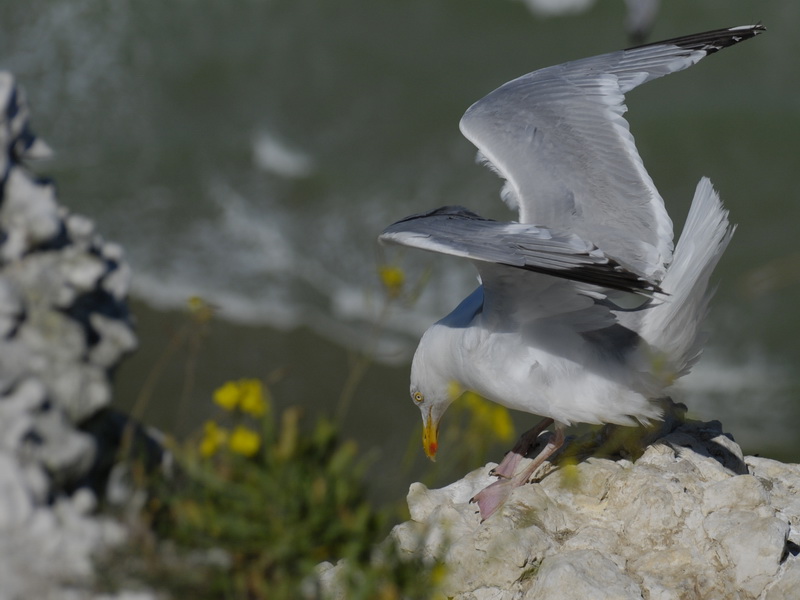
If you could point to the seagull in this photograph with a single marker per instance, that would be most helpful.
(639, 21)
(584, 314)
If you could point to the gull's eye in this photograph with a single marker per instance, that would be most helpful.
(417, 397)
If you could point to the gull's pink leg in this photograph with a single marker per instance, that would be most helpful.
(527, 440)
(492, 497)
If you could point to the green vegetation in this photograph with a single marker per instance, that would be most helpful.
(260, 497)
(278, 500)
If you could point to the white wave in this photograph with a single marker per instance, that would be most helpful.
(550, 8)
(254, 239)
(171, 293)
(750, 395)
(713, 375)
(275, 156)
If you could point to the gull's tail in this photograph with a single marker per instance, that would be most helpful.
(674, 328)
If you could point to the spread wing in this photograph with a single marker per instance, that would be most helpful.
(455, 230)
(559, 139)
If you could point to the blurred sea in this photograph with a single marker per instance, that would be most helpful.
(249, 153)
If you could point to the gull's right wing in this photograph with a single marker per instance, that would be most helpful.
(559, 139)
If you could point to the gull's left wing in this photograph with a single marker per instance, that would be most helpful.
(456, 231)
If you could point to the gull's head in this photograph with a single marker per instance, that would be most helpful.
(432, 407)
(432, 393)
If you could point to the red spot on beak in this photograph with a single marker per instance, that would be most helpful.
(430, 433)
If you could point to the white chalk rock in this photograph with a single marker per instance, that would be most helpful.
(28, 213)
(691, 518)
(64, 325)
(16, 505)
(582, 574)
(116, 340)
(787, 583)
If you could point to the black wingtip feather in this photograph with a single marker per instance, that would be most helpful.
(606, 273)
(712, 41)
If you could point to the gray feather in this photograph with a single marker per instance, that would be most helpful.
(457, 231)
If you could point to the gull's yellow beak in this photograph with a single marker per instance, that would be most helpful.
(430, 433)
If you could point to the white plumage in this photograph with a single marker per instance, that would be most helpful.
(584, 314)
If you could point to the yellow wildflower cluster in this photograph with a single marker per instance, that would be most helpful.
(392, 279)
(488, 416)
(246, 395)
(214, 437)
(242, 440)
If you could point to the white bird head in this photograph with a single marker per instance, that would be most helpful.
(432, 392)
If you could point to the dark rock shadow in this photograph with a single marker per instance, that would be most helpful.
(616, 442)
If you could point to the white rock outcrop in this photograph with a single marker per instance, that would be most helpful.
(690, 519)
(64, 325)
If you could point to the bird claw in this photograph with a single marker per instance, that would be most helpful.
(508, 466)
(492, 497)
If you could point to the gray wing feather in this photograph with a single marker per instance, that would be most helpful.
(559, 138)
(459, 232)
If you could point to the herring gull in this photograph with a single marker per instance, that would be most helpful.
(584, 312)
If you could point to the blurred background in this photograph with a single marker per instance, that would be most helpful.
(250, 152)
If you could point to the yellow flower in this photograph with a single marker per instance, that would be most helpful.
(245, 394)
(244, 441)
(662, 369)
(570, 475)
(213, 437)
(471, 400)
(489, 417)
(454, 390)
(252, 399)
(502, 426)
(199, 309)
(438, 574)
(228, 395)
(392, 279)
